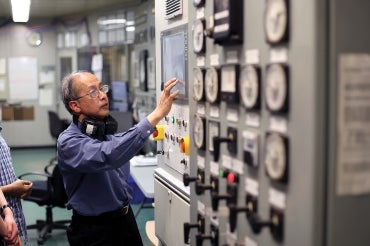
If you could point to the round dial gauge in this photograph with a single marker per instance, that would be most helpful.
(198, 84)
(198, 37)
(199, 132)
(34, 38)
(276, 21)
(276, 91)
(198, 3)
(276, 160)
(250, 87)
(212, 85)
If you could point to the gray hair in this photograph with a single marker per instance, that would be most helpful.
(69, 91)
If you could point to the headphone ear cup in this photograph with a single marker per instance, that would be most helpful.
(111, 125)
(93, 128)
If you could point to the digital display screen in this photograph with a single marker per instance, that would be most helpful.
(174, 58)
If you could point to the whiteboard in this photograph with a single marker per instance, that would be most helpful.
(23, 83)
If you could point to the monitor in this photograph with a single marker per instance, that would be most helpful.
(175, 58)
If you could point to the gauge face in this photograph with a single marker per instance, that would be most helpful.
(276, 21)
(229, 75)
(198, 84)
(276, 91)
(198, 3)
(198, 37)
(276, 160)
(213, 131)
(34, 38)
(250, 87)
(199, 132)
(212, 85)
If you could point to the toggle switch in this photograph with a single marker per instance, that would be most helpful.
(231, 139)
(250, 208)
(213, 237)
(200, 225)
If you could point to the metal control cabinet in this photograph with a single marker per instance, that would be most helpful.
(278, 122)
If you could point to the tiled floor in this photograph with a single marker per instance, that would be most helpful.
(26, 160)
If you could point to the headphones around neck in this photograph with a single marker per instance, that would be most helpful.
(97, 128)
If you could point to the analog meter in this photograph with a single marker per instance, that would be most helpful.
(199, 132)
(276, 157)
(198, 84)
(212, 85)
(199, 40)
(277, 88)
(229, 78)
(276, 21)
(250, 86)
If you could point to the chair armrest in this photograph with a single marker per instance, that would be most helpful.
(50, 165)
(34, 174)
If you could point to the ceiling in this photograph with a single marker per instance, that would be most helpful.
(64, 8)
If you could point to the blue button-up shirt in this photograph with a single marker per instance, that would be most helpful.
(95, 172)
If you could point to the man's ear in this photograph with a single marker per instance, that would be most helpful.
(74, 105)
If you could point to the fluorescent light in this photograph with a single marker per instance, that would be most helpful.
(21, 10)
(130, 28)
(111, 21)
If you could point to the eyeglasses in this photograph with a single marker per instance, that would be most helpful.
(94, 93)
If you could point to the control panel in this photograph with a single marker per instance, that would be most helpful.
(262, 151)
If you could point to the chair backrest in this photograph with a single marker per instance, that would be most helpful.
(56, 125)
(59, 195)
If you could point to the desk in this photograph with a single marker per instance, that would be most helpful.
(144, 178)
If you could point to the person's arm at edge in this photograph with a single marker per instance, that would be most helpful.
(11, 229)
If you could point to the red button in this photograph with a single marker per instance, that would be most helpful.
(155, 133)
(231, 177)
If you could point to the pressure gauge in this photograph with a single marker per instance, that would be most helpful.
(229, 75)
(213, 131)
(276, 157)
(212, 83)
(277, 88)
(198, 84)
(277, 21)
(199, 132)
(249, 86)
(199, 41)
(198, 3)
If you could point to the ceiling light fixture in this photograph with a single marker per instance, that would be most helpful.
(21, 10)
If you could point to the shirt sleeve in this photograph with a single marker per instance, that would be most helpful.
(84, 154)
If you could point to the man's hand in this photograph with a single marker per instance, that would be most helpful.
(11, 236)
(165, 102)
(20, 188)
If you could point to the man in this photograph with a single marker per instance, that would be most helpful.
(94, 162)
(13, 188)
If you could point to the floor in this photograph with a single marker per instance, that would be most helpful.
(27, 160)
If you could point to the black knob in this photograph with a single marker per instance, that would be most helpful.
(200, 188)
(216, 197)
(187, 179)
(187, 227)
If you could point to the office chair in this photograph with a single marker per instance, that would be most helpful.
(56, 126)
(47, 191)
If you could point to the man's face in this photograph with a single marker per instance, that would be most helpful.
(92, 102)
